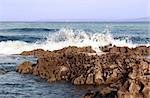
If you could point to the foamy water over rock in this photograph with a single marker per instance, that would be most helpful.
(64, 38)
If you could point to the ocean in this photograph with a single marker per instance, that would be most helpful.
(16, 37)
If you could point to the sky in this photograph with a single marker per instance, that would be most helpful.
(51, 10)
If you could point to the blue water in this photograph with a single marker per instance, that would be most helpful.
(14, 85)
(137, 32)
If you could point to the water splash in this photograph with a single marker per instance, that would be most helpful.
(64, 38)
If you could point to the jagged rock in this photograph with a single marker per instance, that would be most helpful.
(89, 79)
(114, 76)
(79, 80)
(25, 67)
(134, 88)
(123, 70)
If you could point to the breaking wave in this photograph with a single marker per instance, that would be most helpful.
(64, 38)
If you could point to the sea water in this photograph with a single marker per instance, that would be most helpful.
(16, 37)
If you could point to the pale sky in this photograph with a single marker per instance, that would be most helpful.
(47, 10)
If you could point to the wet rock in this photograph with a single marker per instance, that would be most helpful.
(106, 90)
(52, 79)
(25, 67)
(79, 80)
(90, 94)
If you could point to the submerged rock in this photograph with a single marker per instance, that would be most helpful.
(125, 71)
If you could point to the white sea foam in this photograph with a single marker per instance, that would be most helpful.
(65, 38)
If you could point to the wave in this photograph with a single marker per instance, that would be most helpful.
(64, 38)
(29, 30)
(135, 39)
(25, 38)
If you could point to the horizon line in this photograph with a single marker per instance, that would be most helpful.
(79, 21)
(137, 19)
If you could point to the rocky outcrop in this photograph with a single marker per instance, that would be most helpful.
(140, 50)
(125, 71)
(25, 67)
(37, 52)
(71, 49)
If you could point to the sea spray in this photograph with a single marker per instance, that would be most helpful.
(64, 38)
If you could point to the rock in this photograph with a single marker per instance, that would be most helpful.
(146, 88)
(146, 92)
(106, 90)
(79, 80)
(37, 52)
(143, 50)
(124, 49)
(25, 67)
(134, 88)
(89, 79)
(129, 95)
(52, 79)
(105, 48)
(114, 49)
(148, 50)
(98, 78)
(125, 71)
(89, 94)
(114, 76)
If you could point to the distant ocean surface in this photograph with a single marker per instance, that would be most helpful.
(16, 37)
